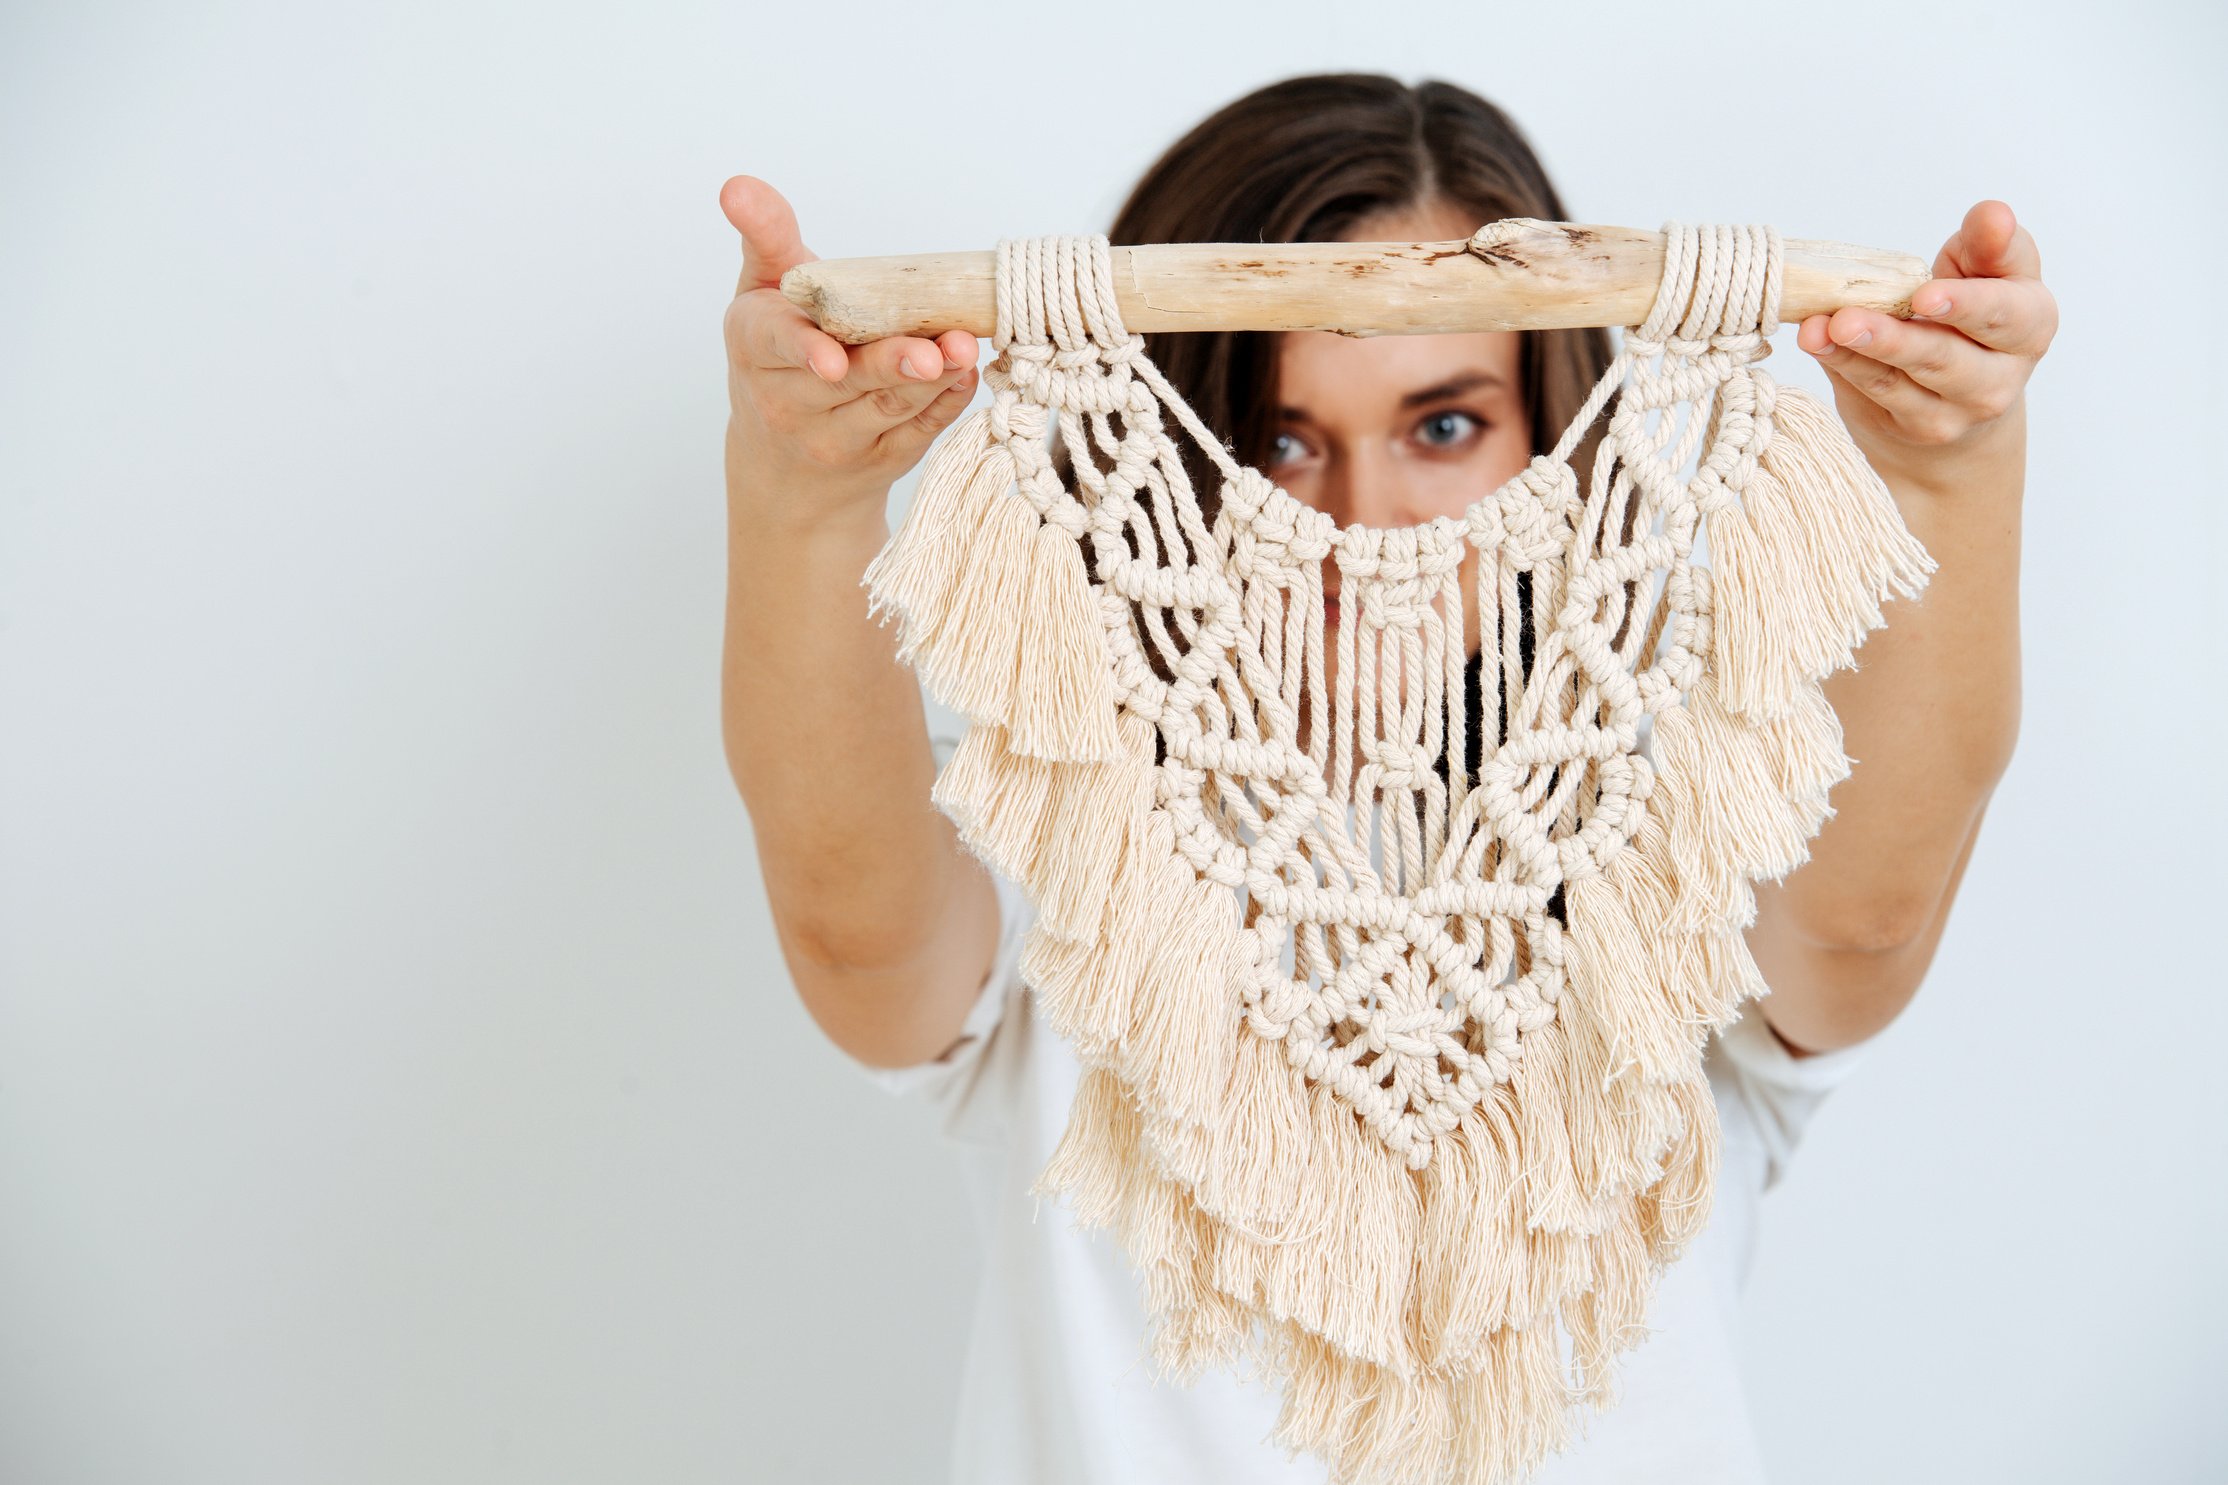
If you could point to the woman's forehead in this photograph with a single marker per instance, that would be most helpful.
(1341, 379)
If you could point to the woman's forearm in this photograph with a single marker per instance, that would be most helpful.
(827, 739)
(1929, 713)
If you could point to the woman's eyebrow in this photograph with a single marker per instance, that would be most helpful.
(1453, 386)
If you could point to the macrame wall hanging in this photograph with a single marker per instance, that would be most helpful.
(1393, 1079)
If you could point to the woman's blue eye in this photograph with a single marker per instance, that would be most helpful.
(1437, 420)
(1285, 447)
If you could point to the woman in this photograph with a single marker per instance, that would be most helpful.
(905, 949)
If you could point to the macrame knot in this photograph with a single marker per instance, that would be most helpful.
(1245, 499)
(1405, 1030)
(1401, 765)
(1014, 420)
(1073, 380)
(1528, 519)
(1359, 551)
(1440, 548)
(1271, 543)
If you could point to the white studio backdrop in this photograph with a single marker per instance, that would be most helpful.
(398, 1076)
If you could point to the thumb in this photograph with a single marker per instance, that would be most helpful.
(771, 246)
(1986, 243)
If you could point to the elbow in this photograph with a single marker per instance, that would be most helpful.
(853, 946)
(1836, 988)
(1882, 925)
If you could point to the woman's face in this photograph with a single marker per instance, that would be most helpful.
(1393, 430)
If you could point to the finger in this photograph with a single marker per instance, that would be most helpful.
(1938, 358)
(771, 243)
(961, 349)
(2017, 316)
(942, 411)
(1889, 386)
(1990, 243)
(770, 333)
(865, 419)
(897, 362)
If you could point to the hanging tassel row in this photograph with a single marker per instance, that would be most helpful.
(996, 612)
(1804, 563)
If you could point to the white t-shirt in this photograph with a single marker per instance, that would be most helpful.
(1059, 1386)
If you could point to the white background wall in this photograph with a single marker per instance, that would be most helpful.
(398, 1078)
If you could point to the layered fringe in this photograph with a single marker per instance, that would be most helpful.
(995, 609)
(1803, 565)
(1425, 1325)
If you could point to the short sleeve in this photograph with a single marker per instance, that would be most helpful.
(953, 1081)
(1780, 1089)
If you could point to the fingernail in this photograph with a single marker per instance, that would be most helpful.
(1818, 350)
(913, 369)
(1863, 337)
(1930, 308)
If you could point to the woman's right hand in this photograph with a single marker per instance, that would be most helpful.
(819, 430)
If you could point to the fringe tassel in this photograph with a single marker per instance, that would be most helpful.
(1605, 1319)
(1058, 829)
(916, 575)
(1553, 1197)
(1675, 1209)
(1083, 988)
(1342, 1262)
(1802, 567)
(1700, 988)
(1726, 815)
(1507, 1402)
(1615, 964)
(1095, 1161)
(1804, 751)
(1472, 1267)
(1187, 1016)
(1106, 1173)
(1491, 1424)
(1096, 811)
(996, 612)
(1260, 1155)
(968, 651)
(998, 799)
(1064, 703)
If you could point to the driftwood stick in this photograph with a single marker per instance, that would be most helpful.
(1536, 276)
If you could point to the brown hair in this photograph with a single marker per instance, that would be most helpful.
(1303, 160)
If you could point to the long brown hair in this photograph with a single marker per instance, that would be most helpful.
(1303, 160)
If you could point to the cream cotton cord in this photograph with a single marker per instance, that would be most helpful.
(1392, 1075)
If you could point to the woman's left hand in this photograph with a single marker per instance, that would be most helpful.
(1924, 397)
